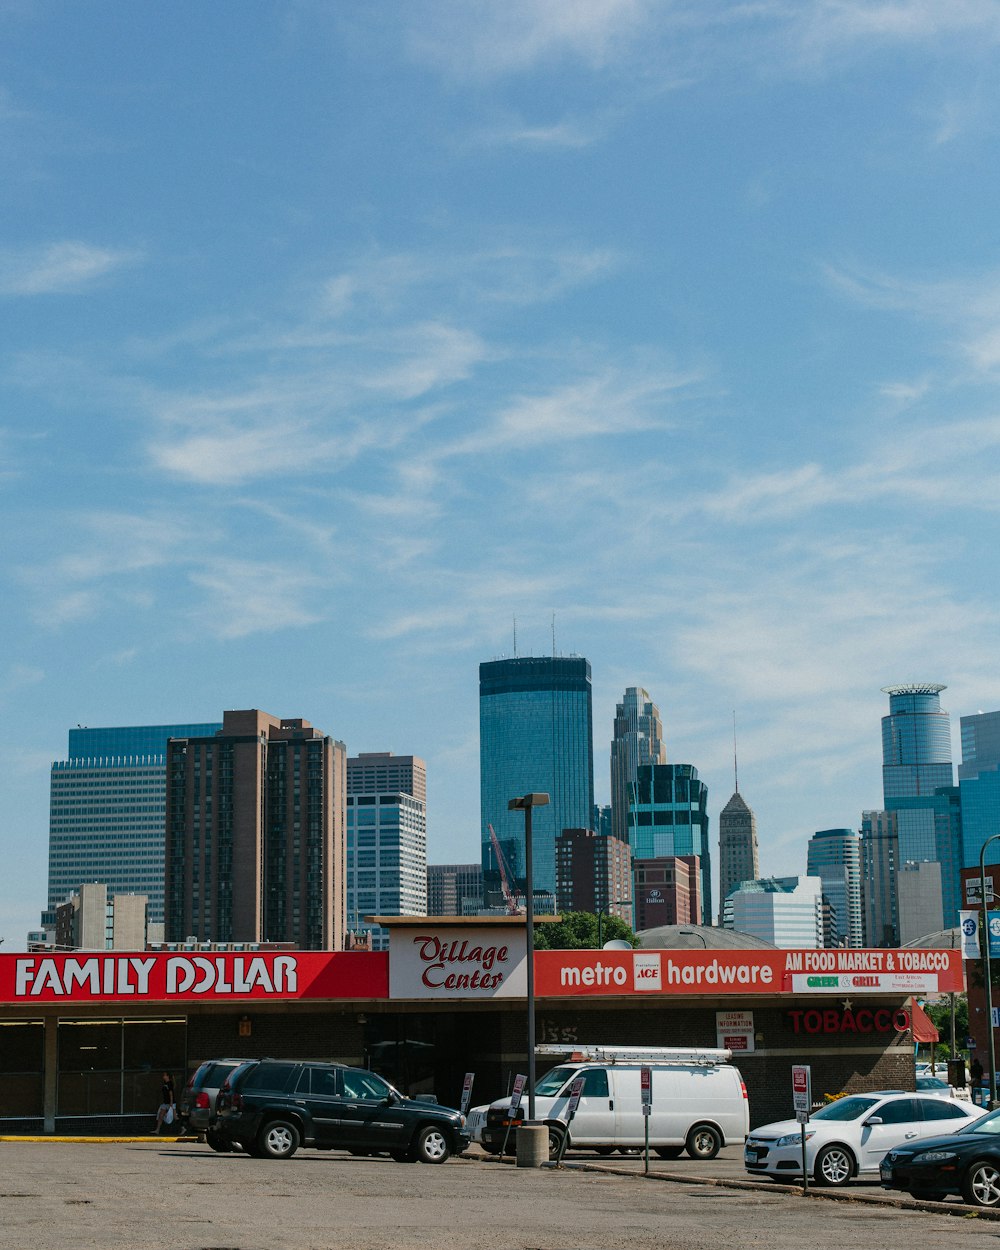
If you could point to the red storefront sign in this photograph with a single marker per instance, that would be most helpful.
(192, 976)
(684, 972)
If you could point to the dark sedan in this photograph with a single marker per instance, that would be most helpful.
(966, 1163)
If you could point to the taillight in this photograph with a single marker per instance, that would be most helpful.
(236, 1102)
(743, 1089)
(201, 1101)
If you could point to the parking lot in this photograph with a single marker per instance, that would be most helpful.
(179, 1194)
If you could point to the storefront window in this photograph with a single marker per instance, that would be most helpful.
(114, 1067)
(22, 1060)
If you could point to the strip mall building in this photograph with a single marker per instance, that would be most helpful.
(85, 1037)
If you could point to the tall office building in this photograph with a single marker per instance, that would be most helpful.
(918, 900)
(593, 873)
(834, 855)
(386, 841)
(667, 891)
(787, 911)
(452, 888)
(669, 817)
(979, 787)
(107, 812)
(255, 834)
(738, 858)
(918, 784)
(638, 739)
(879, 862)
(94, 920)
(535, 734)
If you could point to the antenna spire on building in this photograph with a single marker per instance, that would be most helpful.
(736, 771)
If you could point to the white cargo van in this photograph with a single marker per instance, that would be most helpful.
(699, 1102)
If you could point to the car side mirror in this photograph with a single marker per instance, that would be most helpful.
(873, 1119)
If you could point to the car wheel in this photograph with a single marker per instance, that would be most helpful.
(604, 1151)
(213, 1139)
(629, 1151)
(556, 1135)
(668, 1152)
(981, 1184)
(431, 1146)
(834, 1166)
(703, 1142)
(278, 1139)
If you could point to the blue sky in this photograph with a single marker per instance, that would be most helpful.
(334, 336)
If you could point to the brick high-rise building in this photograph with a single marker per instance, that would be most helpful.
(255, 834)
(593, 873)
(667, 891)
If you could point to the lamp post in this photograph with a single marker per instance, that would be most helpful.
(985, 955)
(694, 933)
(525, 804)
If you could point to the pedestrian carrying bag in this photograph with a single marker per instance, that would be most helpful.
(169, 1117)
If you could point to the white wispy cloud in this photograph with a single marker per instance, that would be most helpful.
(59, 268)
(244, 597)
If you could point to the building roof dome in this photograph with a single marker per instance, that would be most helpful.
(699, 937)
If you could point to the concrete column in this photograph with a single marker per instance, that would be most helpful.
(532, 1143)
(50, 1073)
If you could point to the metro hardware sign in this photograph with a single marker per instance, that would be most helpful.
(561, 973)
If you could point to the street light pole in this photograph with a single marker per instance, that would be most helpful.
(987, 979)
(525, 804)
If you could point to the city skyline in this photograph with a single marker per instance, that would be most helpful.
(345, 347)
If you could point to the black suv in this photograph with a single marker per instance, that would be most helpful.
(272, 1106)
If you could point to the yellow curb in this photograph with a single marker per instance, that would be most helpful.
(97, 1140)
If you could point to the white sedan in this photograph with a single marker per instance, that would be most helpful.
(851, 1136)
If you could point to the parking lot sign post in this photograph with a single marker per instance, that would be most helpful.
(467, 1091)
(646, 1086)
(576, 1089)
(515, 1102)
(802, 1104)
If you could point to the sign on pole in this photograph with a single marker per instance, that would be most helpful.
(515, 1102)
(802, 1102)
(467, 1091)
(576, 1089)
(646, 1086)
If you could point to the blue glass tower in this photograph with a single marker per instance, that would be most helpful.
(535, 734)
(979, 786)
(918, 785)
(668, 816)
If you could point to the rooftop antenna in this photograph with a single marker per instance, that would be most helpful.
(736, 771)
(515, 637)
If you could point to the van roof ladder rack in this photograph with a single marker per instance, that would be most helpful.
(652, 1055)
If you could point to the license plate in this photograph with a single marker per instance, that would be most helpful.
(749, 1155)
(885, 1172)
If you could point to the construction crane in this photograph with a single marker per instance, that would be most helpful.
(510, 901)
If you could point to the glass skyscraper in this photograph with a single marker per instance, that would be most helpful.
(979, 787)
(669, 817)
(535, 734)
(386, 841)
(834, 855)
(107, 812)
(638, 739)
(916, 760)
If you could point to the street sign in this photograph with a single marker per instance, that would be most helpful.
(576, 1089)
(515, 1098)
(995, 1015)
(801, 1089)
(646, 1087)
(467, 1091)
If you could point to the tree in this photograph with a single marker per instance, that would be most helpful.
(940, 1014)
(579, 930)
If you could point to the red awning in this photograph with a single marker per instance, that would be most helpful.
(921, 1025)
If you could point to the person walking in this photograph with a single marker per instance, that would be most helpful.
(167, 1110)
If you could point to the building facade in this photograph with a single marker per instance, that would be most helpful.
(535, 735)
(879, 861)
(451, 888)
(979, 787)
(386, 841)
(918, 900)
(667, 891)
(593, 873)
(255, 834)
(638, 739)
(668, 816)
(787, 911)
(738, 856)
(107, 812)
(94, 920)
(834, 855)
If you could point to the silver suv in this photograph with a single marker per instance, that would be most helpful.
(198, 1099)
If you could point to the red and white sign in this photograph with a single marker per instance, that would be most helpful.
(744, 972)
(801, 1089)
(160, 976)
(646, 1089)
(467, 1091)
(458, 962)
(515, 1097)
(734, 1030)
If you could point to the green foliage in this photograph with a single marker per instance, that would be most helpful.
(580, 930)
(940, 1014)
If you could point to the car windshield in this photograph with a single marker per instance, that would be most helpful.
(552, 1082)
(845, 1109)
(986, 1124)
